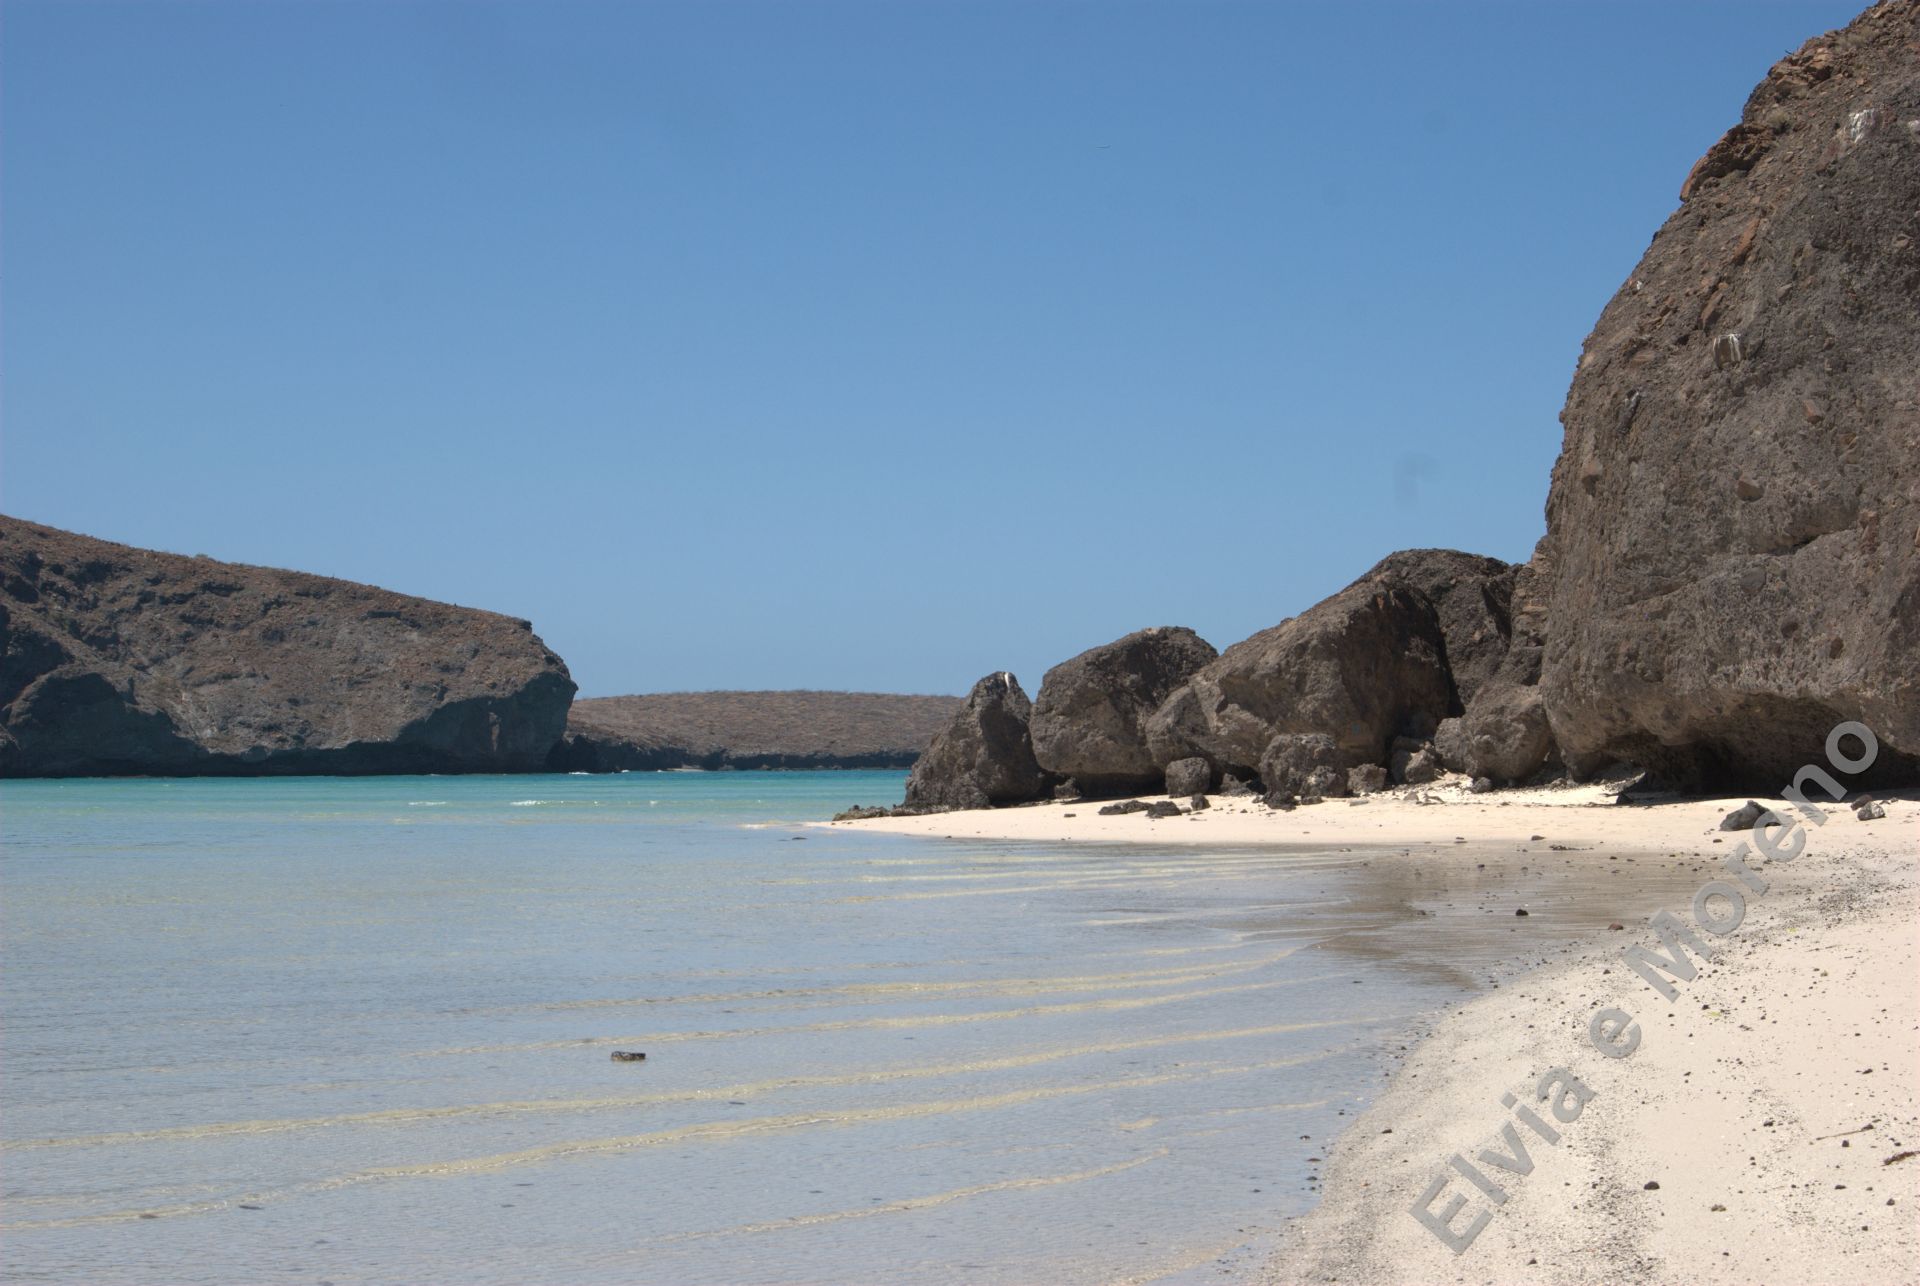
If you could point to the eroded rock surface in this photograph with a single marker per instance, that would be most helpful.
(1732, 558)
(1089, 721)
(984, 756)
(1368, 664)
(117, 660)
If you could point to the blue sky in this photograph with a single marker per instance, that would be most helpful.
(821, 344)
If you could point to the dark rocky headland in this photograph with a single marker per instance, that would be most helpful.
(119, 660)
(1732, 559)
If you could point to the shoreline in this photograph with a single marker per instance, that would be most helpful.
(1744, 1100)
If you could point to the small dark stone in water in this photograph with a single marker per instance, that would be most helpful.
(1616, 925)
(1520, 911)
(245, 1206)
(628, 1056)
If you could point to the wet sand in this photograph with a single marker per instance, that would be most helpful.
(1769, 1103)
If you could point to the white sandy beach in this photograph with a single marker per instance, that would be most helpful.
(1767, 1101)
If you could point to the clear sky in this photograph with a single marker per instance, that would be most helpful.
(870, 345)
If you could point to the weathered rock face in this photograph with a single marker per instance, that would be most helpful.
(1298, 762)
(1189, 777)
(1089, 721)
(984, 756)
(119, 660)
(1472, 600)
(1367, 779)
(1360, 668)
(1504, 734)
(1732, 558)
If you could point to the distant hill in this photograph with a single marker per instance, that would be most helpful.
(800, 729)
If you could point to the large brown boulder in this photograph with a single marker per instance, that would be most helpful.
(1505, 736)
(1472, 600)
(1732, 558)
(1361, 667)
(1089, 719)
(115, 660)
(984, 756)
(1365, 666)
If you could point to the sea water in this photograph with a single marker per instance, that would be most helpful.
(359, 1030)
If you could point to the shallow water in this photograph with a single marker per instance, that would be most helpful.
(358, 1030)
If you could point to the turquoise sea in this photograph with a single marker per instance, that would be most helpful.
(358, 1030)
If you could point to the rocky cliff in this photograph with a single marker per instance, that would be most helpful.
(1732, 557)
(717, 730)
(115, 660)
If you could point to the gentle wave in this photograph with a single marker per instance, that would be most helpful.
(908, 1204)
(874, 1076)
(823, 1118)
(911, 1020)
(874, 992)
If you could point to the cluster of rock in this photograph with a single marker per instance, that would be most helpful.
(119, 660)
(1744, 818)
(1379, 683)
(1732, 558)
